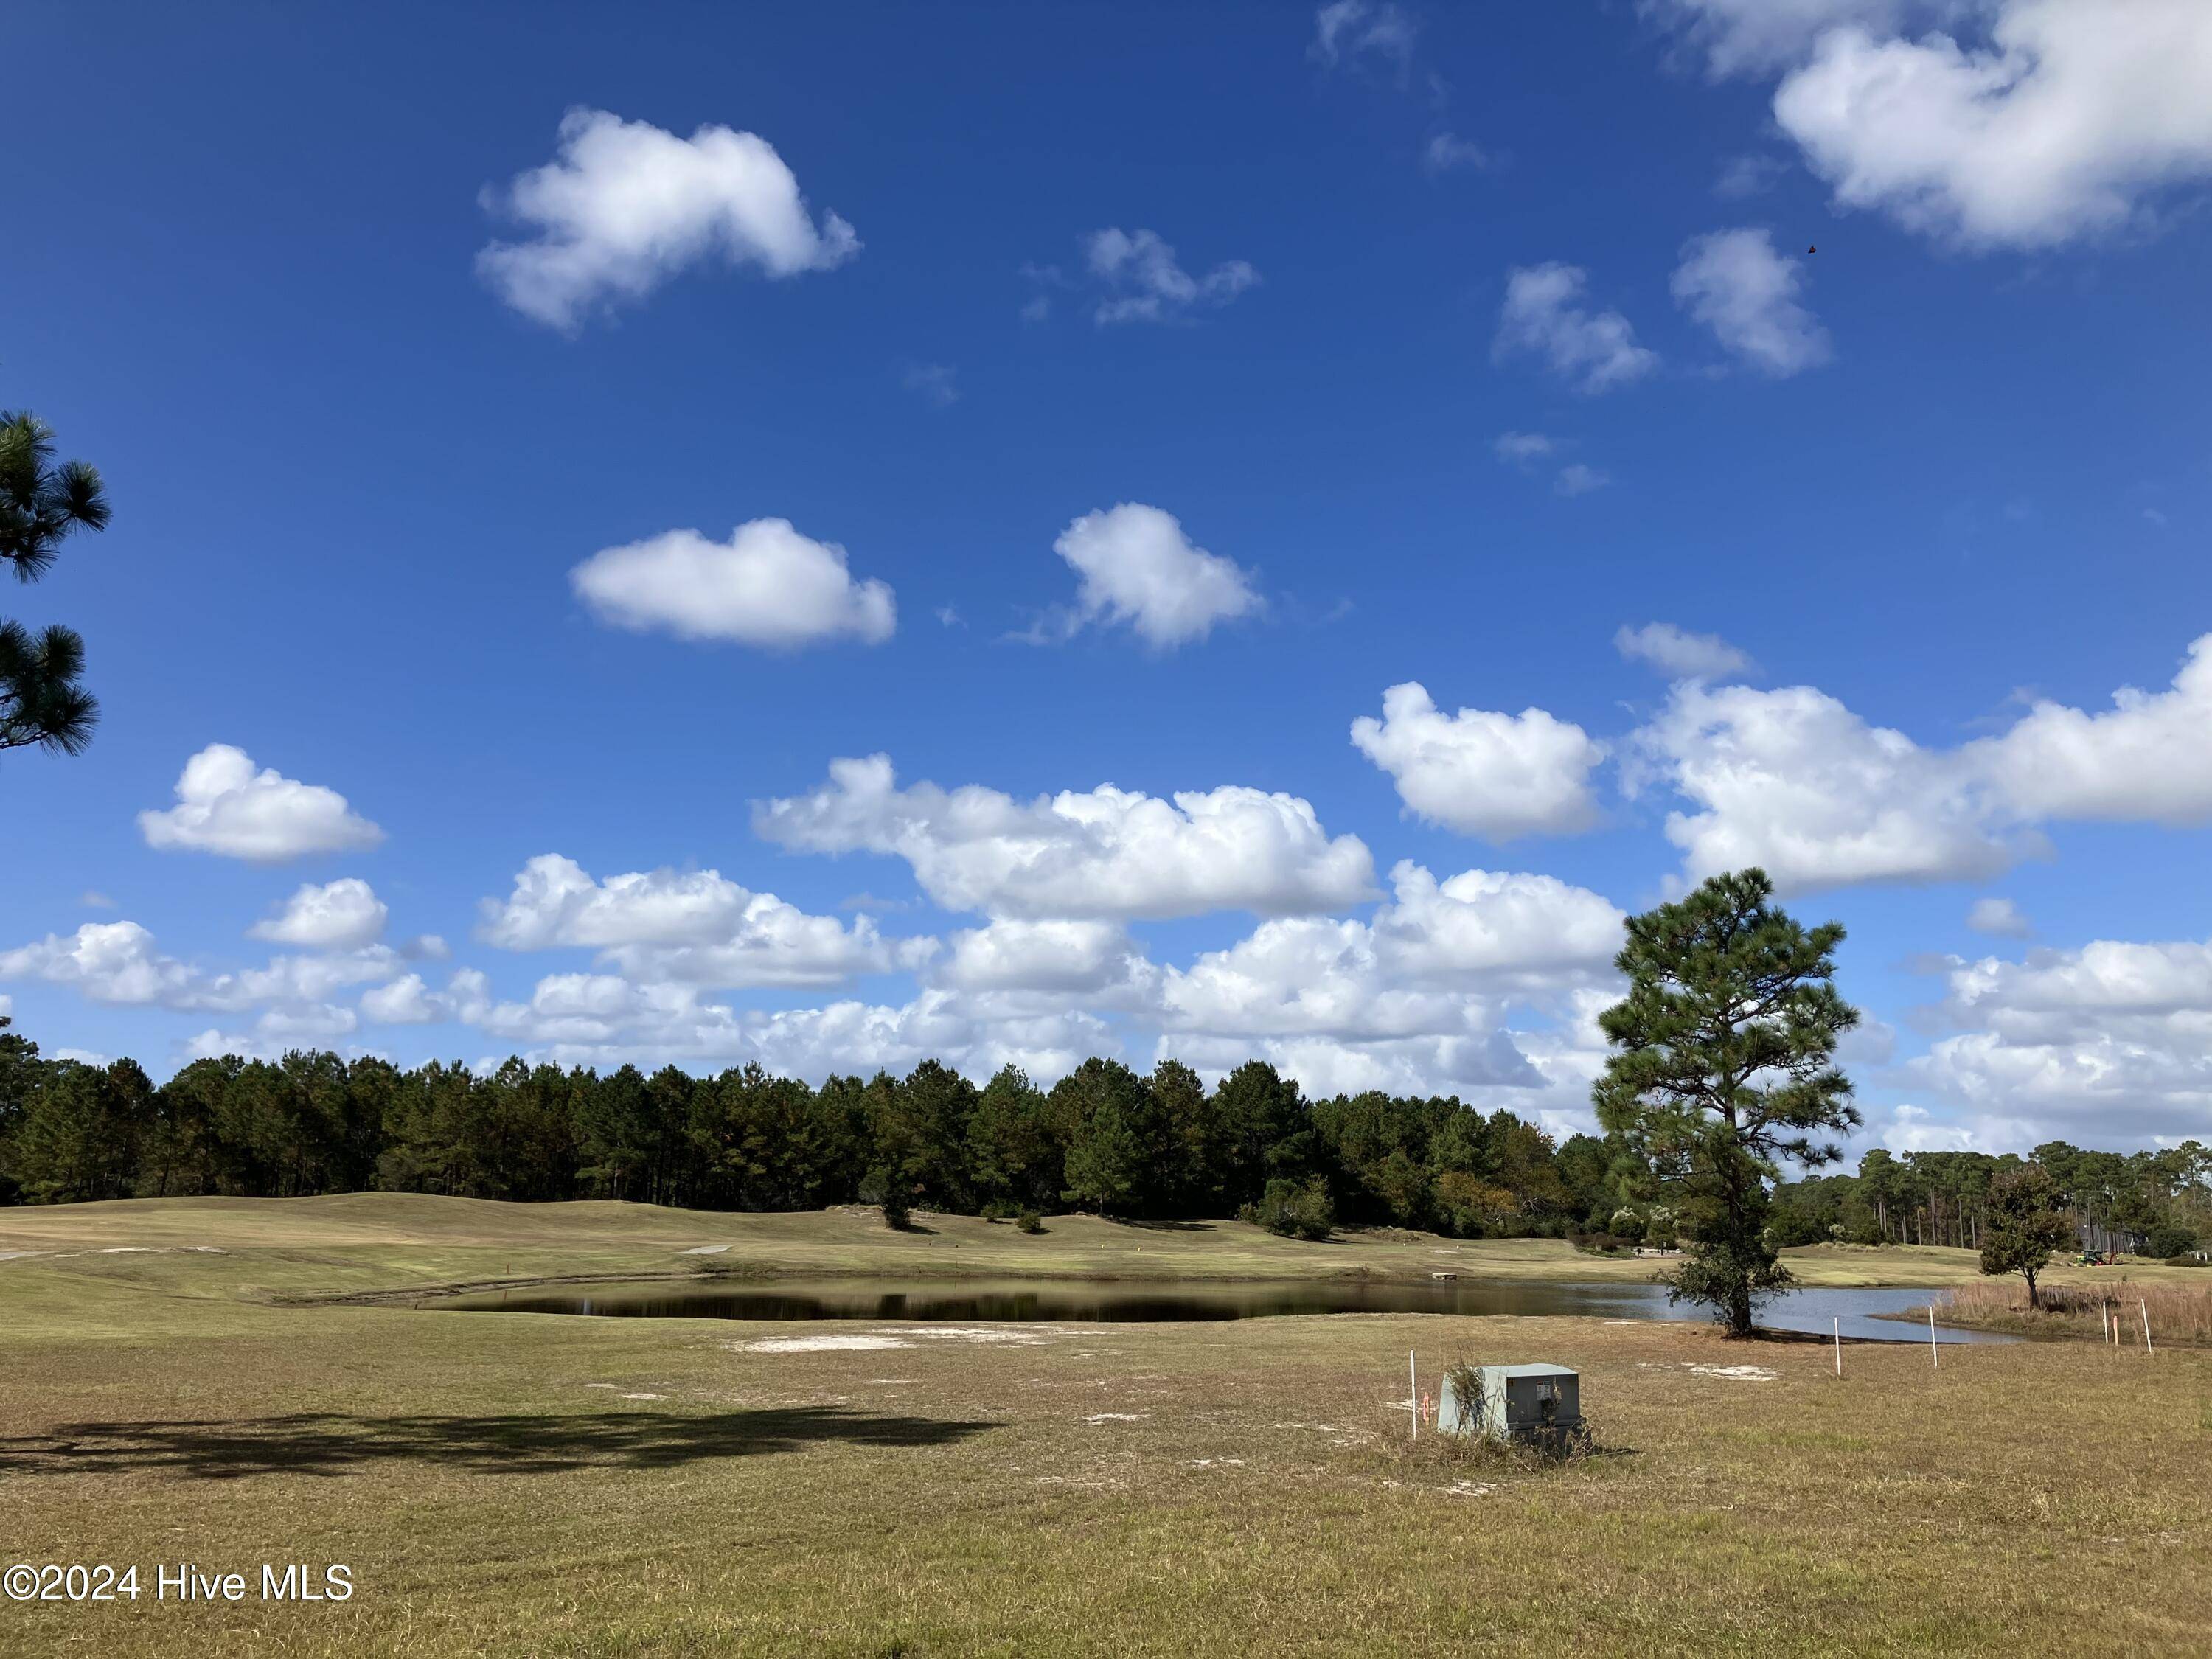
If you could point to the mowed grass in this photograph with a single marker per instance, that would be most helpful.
(378, 1243)
(518, 1484)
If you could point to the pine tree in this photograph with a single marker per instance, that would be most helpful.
(41, 503)
(1724, 1066)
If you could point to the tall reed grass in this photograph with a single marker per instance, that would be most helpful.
(2180, 1314)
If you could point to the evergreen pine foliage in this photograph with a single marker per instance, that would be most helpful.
(1723, 1066)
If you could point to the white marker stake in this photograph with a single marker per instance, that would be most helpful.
(1413, 1393)
(1838, 1324)
(2145, 1306)
(1934, 1354)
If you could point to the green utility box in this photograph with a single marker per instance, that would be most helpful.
(1534, 1404)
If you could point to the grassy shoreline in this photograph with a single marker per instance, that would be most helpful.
(398, 1247)
(2178, 1314)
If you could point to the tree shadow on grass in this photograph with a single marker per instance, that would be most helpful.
(324, 1443)
(1166, 1226)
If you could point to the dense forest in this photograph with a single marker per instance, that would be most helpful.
(1105, 1138)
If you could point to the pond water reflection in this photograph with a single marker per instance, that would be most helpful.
(1101, 1302)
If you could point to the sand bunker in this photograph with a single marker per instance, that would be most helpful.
(815, 1344)
(120, 1249)
(910, 1336)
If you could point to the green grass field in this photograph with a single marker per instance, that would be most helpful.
(537, 1484)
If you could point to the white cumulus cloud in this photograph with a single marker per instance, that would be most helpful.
(2110, 1041)
(627, 205)
(1102, 853)
(1543, 317)
(2000, 918)
(1678, 654)
(1420, 1001)
(1793, 781)
(1737, 285)
(1744, 36)
(337, 916)
(1142, 281)
(694, 927)
(1136, 565)
(228, 807)
(1480, 772)
(1985, 123)
(120, 964)
(1090, 960)
(2147, 757)
(767, 586)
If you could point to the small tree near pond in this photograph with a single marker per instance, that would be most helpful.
(2025, 1223)
(1293, 1212)
(1723, 1065)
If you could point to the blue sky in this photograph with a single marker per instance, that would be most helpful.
(1944, 478)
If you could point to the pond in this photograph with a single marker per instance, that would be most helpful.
(969, 1302)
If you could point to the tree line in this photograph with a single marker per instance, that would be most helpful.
(2156, 1202)
(1106, 1137)
(1140, 1145)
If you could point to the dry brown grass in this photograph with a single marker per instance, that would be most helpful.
(2179, 1315)
(548, 1485)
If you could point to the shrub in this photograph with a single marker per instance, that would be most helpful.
(1028, 1222)
(2170, 1240)
(1291, 1211)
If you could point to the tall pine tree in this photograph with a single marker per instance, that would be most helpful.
(1723, 1064)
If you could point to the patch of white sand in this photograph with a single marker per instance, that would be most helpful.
(704, 1249)
(1469, 1489)
(15, 1256)
(645, 1396)
(1212, 1462)
(1117, 1417)
(1738, 1373)
(815, 1344)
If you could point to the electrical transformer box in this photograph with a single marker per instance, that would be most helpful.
(1534, 1403)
